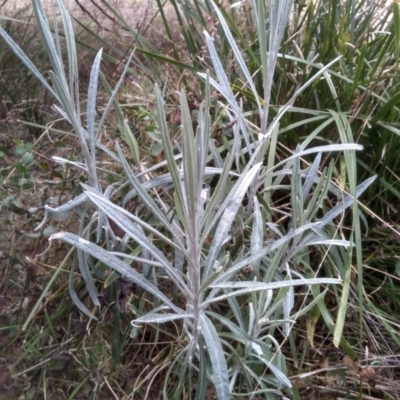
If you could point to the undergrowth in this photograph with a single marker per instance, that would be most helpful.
(208, 237)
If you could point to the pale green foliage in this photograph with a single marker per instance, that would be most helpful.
(189, 218)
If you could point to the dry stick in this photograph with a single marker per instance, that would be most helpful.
(85, 11)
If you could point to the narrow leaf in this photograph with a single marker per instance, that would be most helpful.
(217, 357)
(159, 318)
(115, 263)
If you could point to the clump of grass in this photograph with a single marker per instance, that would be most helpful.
(215, 252)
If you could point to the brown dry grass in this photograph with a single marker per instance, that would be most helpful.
(140, 15)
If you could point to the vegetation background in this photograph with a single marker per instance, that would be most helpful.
(212, 178)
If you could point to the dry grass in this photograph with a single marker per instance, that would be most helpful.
(140, 15)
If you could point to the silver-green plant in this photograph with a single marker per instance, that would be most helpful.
(235, 289)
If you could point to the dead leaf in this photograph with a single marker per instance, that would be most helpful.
(368, 374)
(324, 363)
(352, 366)
(31, 272)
